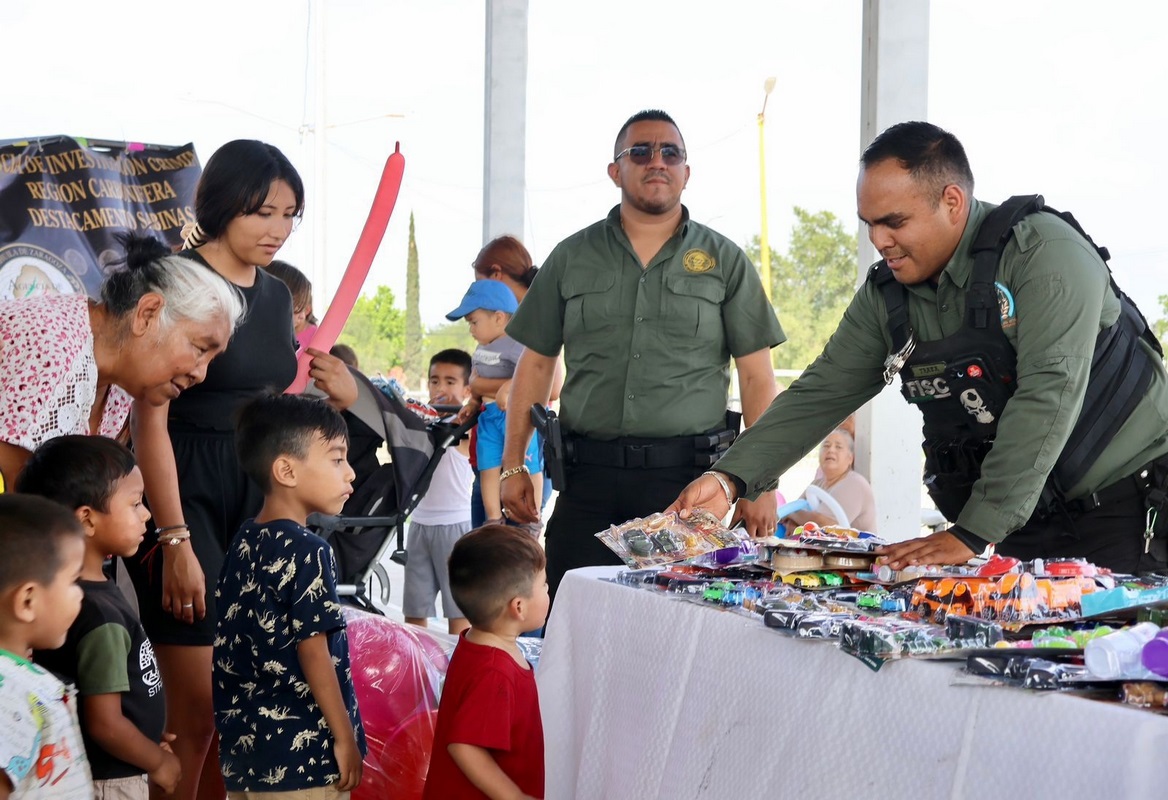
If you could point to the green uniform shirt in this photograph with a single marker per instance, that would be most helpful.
(1062, 299)
(647, 350)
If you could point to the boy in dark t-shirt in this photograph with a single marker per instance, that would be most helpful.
(489, 737)
(282, 687)
(106, 652)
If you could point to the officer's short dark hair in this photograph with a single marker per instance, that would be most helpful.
(76, 471)
(932, 156)
(648, 115)
(490, 566)
(282, 425)
(32, 531)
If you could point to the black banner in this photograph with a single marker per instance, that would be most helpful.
(63, 199)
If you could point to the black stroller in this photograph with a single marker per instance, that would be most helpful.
(384, 495)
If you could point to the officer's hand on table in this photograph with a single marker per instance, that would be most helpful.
(758, 517)
(937, 548)
(705, 493)
(518, 496)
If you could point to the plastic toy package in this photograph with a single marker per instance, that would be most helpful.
(1129, 592)
(1014, 599)
(891, 637)
(666, 538)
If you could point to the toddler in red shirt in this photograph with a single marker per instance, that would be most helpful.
(489, 739)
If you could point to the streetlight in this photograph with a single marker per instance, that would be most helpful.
(764, 245)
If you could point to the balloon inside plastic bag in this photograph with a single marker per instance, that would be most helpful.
(398, 671)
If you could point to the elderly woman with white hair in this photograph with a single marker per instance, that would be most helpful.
(72, 365)
(839, 489)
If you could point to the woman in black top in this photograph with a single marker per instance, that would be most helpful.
(246, 203)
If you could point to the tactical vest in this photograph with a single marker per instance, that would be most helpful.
(962, 383)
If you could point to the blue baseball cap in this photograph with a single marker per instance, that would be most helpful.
(488, 295)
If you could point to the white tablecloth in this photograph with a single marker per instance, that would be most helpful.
(644, 696)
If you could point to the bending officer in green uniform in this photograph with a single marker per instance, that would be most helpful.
(1009, 368)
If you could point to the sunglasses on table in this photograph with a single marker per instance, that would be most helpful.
(642, 154)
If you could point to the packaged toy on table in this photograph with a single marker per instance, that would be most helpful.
(1146, 695)
(666, 538)
(1015, 599)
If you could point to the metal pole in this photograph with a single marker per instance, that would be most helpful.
(764, 244)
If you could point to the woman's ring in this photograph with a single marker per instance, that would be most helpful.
(188, 605)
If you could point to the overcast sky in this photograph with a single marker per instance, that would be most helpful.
(1062, 97)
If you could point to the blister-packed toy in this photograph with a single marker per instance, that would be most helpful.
(666, 538)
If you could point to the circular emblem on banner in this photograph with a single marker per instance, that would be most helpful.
(698, 261)
(30, 271)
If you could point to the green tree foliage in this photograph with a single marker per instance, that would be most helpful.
(1160, 326)
(450, 334)
(412, 361)
(376, 330)
(811, 285)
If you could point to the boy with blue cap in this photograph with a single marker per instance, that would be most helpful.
(487, 307)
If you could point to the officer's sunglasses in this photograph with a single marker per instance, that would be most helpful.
(642, 154)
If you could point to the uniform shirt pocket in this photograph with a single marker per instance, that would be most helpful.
(692, 307)
(588, 302)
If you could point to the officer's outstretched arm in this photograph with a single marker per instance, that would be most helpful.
(705, 492)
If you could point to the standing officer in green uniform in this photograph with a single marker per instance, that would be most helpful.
(648, 307)
(1044, 398)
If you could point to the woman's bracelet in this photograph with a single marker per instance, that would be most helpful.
(172, 535)
(507, 473)
(725, 486)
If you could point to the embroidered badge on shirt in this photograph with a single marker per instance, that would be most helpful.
(698, 261)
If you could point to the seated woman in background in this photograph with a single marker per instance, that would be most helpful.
(850, 490)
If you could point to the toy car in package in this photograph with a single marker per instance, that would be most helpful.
(666, 538)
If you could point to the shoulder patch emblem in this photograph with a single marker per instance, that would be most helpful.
(698, 261)
(1006, 306)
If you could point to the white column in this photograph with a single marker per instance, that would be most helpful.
(895, 77)
(505, 123)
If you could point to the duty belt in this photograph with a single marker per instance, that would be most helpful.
(634, 453)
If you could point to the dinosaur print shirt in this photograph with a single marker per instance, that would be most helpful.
(277, 588)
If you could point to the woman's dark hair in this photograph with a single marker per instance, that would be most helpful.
(510, 257)
(237, 180)
(192, 290)
(76, 471)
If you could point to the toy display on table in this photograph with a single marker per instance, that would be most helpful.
(397, 672)
(1014, 598)
(666, 538)
(1130, 592)
(1010, 623)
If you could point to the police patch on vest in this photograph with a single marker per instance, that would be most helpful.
(698, 261)
(927, 370)
(1006, 306)
(926, 389)
(976, 406)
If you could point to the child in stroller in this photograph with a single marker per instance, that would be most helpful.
(384, 495)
